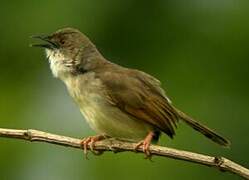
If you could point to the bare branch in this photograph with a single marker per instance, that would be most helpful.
(221, 163)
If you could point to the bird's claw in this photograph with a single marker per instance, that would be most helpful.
(146, 148)
(89, 142)
(145, 145)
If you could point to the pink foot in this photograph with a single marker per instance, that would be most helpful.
(89, 142)
(146, 144)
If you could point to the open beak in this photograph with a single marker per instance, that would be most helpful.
(47, 42)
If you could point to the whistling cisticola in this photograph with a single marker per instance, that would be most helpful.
(116, 101)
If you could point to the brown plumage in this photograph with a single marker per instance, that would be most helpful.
(116, 101)
(149, 103)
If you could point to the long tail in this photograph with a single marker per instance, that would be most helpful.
(204, 130)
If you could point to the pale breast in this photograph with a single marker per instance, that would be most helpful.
(103, 117)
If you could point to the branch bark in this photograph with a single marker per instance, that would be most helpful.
(220, 163)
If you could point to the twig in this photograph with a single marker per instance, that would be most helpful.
(115, 145)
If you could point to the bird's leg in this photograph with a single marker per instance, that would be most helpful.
(90, 141)
(146, 144)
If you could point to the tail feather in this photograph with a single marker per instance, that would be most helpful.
(204, 130)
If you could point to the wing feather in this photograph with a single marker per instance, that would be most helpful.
(140, 95)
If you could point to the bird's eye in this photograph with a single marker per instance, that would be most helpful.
(62, 41)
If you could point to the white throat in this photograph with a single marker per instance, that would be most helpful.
(57, 64)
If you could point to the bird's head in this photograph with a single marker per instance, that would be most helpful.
(65, 49)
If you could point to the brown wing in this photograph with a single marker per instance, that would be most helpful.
(141, 96)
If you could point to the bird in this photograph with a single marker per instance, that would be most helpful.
(116, 101)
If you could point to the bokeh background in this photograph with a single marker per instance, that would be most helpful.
(199, 49)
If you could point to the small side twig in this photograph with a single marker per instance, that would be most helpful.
(221, 163)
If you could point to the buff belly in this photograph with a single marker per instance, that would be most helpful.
(103, 117)
(111, 121)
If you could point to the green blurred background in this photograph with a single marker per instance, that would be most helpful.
(197, 48)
